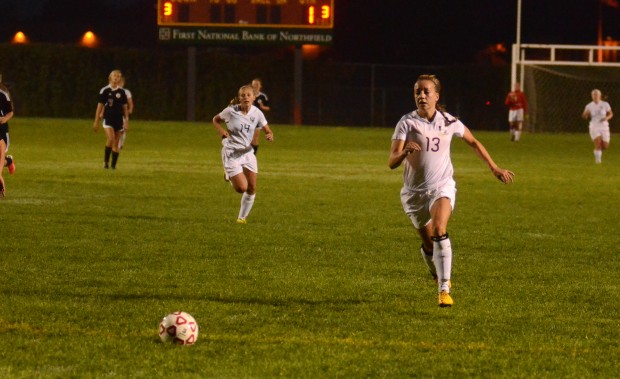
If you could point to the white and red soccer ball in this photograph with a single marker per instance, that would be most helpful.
(179, 327)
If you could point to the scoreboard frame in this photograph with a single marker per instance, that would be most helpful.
(275, 22)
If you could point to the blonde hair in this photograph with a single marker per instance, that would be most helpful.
(235, 100)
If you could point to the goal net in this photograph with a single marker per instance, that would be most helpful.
(558, 86)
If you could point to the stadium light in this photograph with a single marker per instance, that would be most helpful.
(20, 38)
(89, 39)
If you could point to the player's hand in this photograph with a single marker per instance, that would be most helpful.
(95, 126)
(411, 147)
(504, 176)
(269, 137)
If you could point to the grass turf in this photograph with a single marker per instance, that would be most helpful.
(326, 279)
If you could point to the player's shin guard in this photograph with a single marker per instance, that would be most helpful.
(247, 201)
(442, 257)
(106, 156)
(114, 159)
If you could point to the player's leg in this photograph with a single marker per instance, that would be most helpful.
(416, 208)
(441, 210)
(3, 148)
(115, 146)
(598, 150)
(109, 135)
(247, 199)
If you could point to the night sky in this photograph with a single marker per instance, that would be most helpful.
(409, 32)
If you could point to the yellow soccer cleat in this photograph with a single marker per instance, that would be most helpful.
(241, 221)
(445, 300)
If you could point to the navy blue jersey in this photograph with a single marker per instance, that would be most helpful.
(113, 101)
(261, 99)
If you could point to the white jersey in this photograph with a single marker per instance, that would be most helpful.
(241, 127)
(431, 167)
(598, 111)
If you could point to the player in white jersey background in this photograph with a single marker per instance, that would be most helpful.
(599, 113)
(422, 141)
(242, 120)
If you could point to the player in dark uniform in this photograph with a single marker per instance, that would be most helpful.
(6, 113)
(261, 102)
(113, 105)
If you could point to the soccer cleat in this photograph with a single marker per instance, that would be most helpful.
(445, 300)
(242, 221)
(10, 164)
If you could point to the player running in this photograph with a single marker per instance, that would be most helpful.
(6, 113)
(422, 140)
(599, 113)
(243, 120)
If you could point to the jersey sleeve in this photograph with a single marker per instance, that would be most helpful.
(459, 129)
(262, 120)
(225, 114)
(401, 130)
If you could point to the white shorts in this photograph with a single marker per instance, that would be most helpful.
(417, 204)
(600, 130)
(235, 161)
(515, 115)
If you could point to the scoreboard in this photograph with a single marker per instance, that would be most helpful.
(293, 22)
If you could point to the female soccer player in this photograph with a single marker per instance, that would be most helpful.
(599, 113)
(113, 104)
(242, 120)
(422, 140)
(6, 113)
(261, 102)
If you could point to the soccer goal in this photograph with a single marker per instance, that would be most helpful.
(558, 79)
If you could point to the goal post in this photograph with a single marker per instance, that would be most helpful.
(558, 79)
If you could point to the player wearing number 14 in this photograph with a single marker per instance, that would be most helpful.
(422, 141)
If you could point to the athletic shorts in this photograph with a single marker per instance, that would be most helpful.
(515, 115)
(117, 126)
(235, 161)
(417, 204)
(600, 129)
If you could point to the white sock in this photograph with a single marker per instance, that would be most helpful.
(428, 259)
(247, 201)
(442, 257)
(598, 155)
(517, 135)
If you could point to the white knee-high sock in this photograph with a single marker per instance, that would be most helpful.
(247, 201)
(428, 259)
(598, 155)
(442, 257)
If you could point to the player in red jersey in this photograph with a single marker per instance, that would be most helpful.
(517, 105)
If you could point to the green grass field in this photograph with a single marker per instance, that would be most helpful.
(325, 280)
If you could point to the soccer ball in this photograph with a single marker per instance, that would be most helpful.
(179, 327)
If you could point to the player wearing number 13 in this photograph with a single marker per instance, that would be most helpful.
(242, 120)
(422, 141)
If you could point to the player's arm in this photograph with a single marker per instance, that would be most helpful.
(268, 133)
(217, 121)
(98, 115)
(6, 118)
(130, 105)
(125, 116)
(399, 151)
(609, 115)
(505, 176)
(586, 114)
